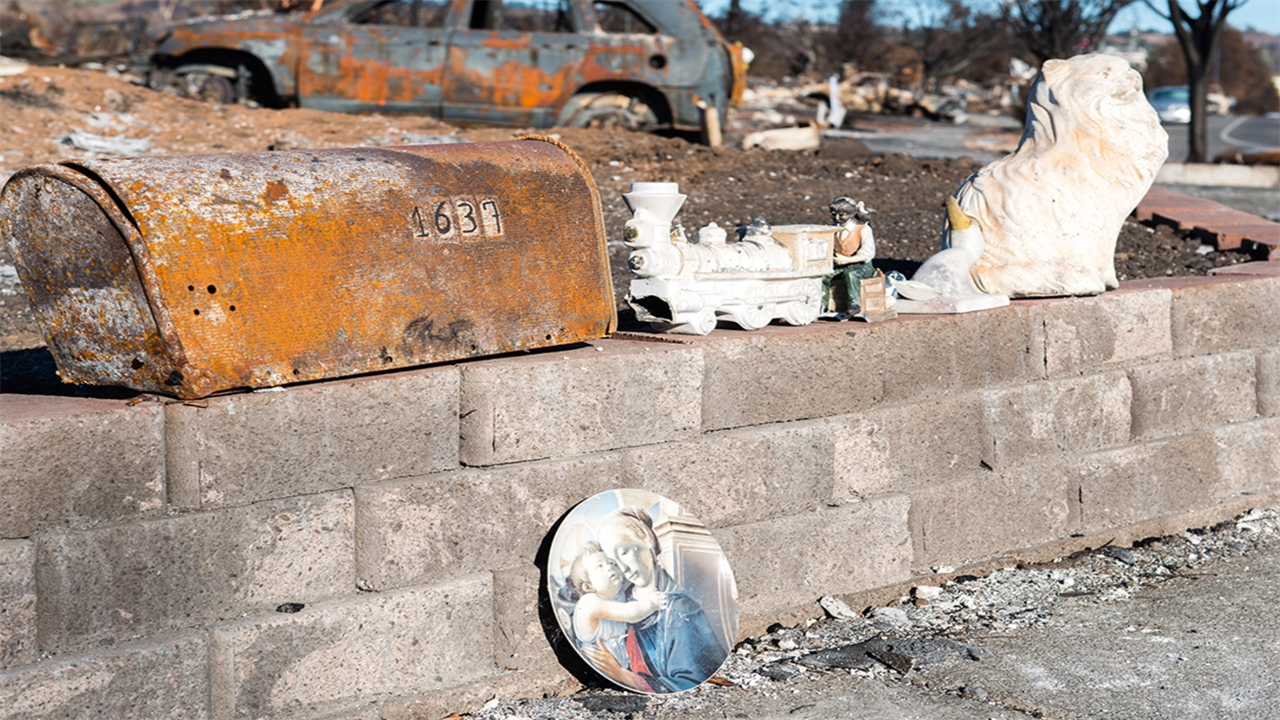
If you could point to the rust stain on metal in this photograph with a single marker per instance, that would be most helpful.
(191, 275)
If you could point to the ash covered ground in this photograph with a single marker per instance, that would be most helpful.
(42, 106)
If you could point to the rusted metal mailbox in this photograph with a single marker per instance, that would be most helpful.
(197, 274)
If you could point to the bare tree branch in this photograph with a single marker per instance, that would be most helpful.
(1062, 28)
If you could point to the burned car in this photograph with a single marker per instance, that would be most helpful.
(531, 63)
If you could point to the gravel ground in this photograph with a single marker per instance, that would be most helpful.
(942, 622)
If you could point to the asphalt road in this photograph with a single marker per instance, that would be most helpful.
(1249, 134)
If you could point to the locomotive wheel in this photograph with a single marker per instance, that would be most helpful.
(756, 312)
(704, 322)
(803, 312)
(752, 317)
(701, 324)
(800, 313)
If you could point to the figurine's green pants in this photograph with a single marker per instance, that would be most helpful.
(852, 275)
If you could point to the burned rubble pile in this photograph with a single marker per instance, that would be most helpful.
(933, 624)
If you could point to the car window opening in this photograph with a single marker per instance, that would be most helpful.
(613, 17)
(404, 13)
(527, 16)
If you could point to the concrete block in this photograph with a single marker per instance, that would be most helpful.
(1267, 366)
(335, 657)
(112, 584)
(314, 438)
(17, 603)
(427, 530)
(1144, 482)
(1175, 397)
(1225, 313)
(740, 476)
(793, 561)
(989, 513)
(1028, 423)
(610, 394)
(520, 640)
(1115, 329)
(782, 374)
(952, 354)
(159, 678)
(1248, 456)
(72, 463)
(899, 448)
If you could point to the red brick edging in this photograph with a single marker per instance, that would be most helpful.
(1215, 223)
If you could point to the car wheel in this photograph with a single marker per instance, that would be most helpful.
(211, 88)
(608, 110)
(217, 89)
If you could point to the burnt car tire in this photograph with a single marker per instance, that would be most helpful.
(607, 110)
(215, 89)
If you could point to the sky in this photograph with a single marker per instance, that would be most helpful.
(1262, 15)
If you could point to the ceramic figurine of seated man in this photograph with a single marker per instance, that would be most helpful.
(855, 248)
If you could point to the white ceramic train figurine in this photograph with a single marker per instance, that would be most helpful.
(685, 287)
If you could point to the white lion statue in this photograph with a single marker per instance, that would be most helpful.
(1051, 211)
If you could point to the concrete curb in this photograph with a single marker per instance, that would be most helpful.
(1252, 176)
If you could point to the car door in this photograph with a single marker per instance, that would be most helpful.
(379, 55)
(515, 62)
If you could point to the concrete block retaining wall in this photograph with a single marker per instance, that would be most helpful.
(145, 548)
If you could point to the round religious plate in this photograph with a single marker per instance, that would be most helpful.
(642, 591)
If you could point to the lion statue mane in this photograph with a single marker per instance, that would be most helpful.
(1051, 211)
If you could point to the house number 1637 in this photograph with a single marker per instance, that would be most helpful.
(452, 218)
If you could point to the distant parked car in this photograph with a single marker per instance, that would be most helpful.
(531, 63)
(1172, 103)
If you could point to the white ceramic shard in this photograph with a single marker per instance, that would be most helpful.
(1051, 211)
(687, 287)
(792, 138)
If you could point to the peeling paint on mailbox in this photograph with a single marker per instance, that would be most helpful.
(192, 275)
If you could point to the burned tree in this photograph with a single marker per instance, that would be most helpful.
(947, 37)
(1062, 28)
(1199, 37)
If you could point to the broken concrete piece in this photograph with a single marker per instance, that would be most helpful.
(99, 145)
(794, 138)
(685, 287)
(1050, 212)
(837, 608)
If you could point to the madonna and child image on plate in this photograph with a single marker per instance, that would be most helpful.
(642, 591)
